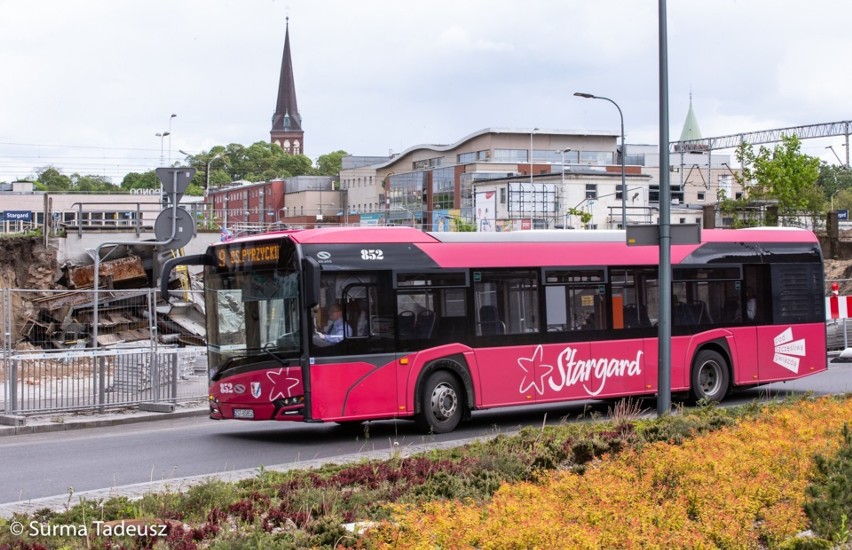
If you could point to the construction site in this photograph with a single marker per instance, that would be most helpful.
(69, 347)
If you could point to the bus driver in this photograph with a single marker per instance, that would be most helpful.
(336, 329)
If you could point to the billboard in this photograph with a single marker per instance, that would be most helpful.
(485, 206)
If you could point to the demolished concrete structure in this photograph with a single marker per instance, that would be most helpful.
(59, 314)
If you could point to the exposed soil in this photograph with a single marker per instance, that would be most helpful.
(25, 263)
(841, 272)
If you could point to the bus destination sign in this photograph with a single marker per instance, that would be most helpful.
(247, 256)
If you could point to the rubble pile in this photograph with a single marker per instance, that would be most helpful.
(53, 307)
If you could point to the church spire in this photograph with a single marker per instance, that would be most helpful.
(287, 122)
(690, 131)
(690, 125)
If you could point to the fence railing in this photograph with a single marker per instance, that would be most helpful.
(147, 352)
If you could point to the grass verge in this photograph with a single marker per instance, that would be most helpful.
(706, 477)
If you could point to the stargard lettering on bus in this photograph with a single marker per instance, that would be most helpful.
(573, 371)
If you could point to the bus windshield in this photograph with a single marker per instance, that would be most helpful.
(250, 312)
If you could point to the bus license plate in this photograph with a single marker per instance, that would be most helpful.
(243, 413)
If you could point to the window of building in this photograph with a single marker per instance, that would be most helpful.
(591, 191)
(510, 155)
(597, 158)
(700, 197)
(653, 193)
(677, 194)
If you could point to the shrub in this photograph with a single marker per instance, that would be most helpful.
(830, 492)
(740, 486)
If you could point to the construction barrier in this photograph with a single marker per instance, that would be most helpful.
(838, 307)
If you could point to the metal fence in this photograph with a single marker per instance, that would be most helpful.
(146, 351)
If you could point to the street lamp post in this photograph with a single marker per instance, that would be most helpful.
(623, 187)
(162, 136)
(207, 173)
(842, 165)
(534, 130)
(564, 210)
(170, 137)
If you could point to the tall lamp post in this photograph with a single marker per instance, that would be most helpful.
(564, 211)
(534, 130)
(207, 173)
(623, 186)
(162, 136)
(842, 165)
(170, 137)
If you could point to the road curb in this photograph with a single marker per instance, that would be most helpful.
(65, 423)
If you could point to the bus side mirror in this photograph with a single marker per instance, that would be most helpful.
(196, 259)
(311, 269)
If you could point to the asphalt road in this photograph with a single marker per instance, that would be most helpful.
(48, 464)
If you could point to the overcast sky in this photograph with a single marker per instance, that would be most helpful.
(86, 84)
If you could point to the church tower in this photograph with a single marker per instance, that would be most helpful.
(287, 130)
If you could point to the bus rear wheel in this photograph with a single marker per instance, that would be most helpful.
(710, 378)
(441, 405)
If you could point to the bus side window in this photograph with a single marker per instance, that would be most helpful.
(406, 319)
(489, 321)
(514, 294)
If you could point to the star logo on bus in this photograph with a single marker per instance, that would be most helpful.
(787, 351)
(529, 365)
(281, 378)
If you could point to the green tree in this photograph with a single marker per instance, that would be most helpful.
(51, 179)
(463, 226)
(92, 184)
(836, 184)
(330, 163)
(261, 161)
(585, 217)
(782, 176)
(215, 160)
(145, 180)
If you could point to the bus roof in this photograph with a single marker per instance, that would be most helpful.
(409, 248)
(381, 234)
(347, 235)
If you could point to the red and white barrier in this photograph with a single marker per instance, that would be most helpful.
(838, 307)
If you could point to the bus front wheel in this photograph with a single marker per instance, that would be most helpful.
(441, 405)
(710, 379)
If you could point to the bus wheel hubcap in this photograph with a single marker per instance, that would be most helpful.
(709, 379)
(444, 401)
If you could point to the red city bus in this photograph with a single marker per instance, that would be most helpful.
(352, 324)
